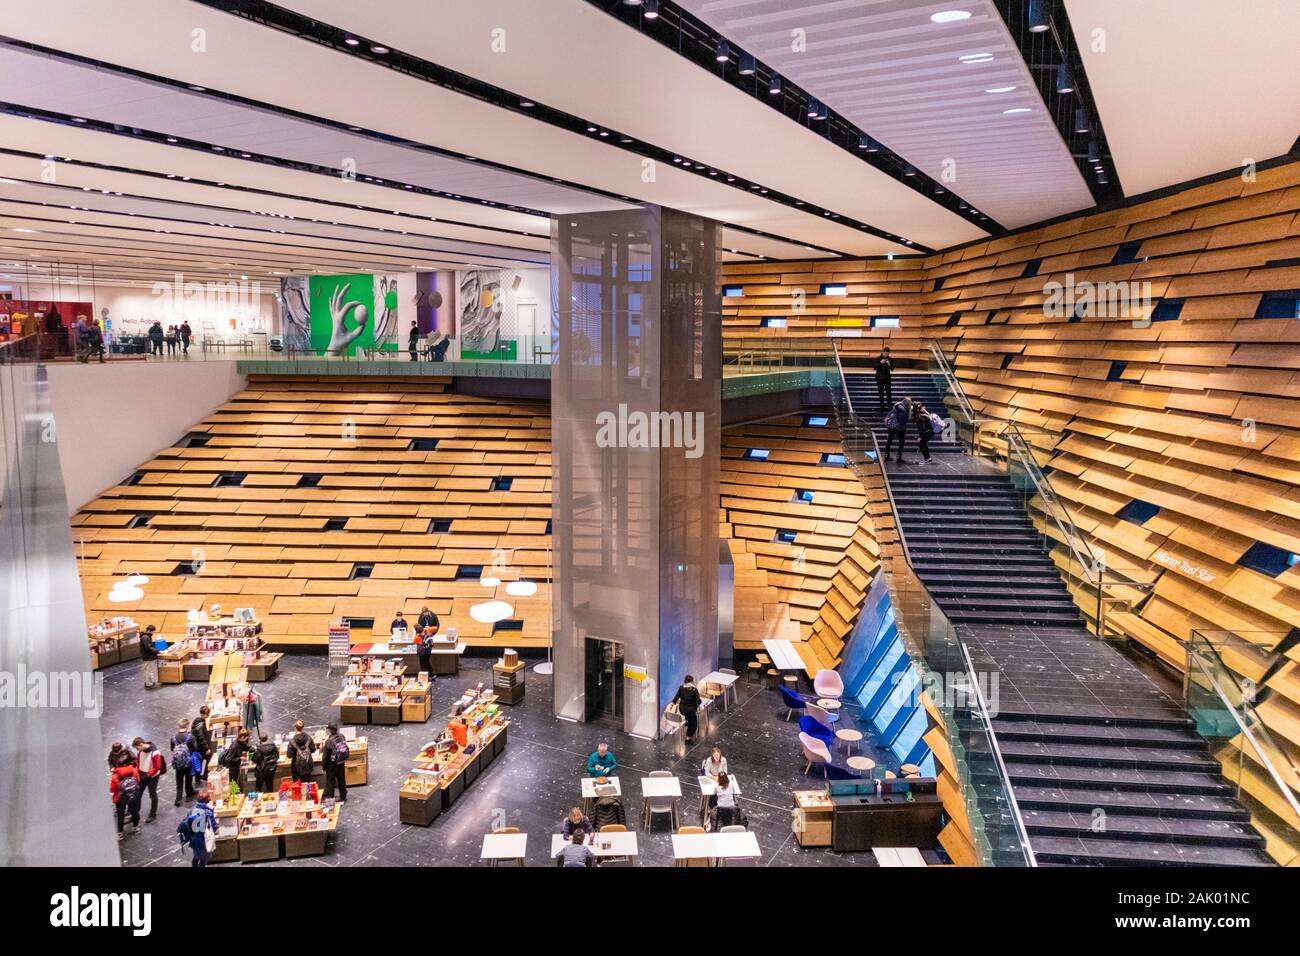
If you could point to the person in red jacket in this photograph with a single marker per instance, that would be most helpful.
(149, 763)
(124, 787)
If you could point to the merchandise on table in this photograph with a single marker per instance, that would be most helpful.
(112, 641)
(293, 821)
(192, 657)
(446, 766)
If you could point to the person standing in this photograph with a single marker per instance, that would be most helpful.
(195, 827)
(201, 743)
(428, 625)
(173, 338)
(884, 366)
(124, 787)
(266, 757)
(896, 421)
(182, 762)
(687, 700)
(412, 340)
(232, 756)
(94, 342)
(301, 748)
(156, 338)
(186, 334)
(149, 658)
(925, 430)
(150, 764)
(334, 757)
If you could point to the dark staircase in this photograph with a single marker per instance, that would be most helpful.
(1105, 766)
(918, 387)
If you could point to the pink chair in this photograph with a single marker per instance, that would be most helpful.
(828, 684)
(814, 751)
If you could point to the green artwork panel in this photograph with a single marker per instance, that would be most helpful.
(342, 313)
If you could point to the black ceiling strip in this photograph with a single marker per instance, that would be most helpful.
(1044, 52)
(336, 38)
(692, 38)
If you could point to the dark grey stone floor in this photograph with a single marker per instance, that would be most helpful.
(530, 786)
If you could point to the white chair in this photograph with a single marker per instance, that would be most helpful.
(652, 805)
(814, 752)
(823, 716)
(730, 690)
(827, 683)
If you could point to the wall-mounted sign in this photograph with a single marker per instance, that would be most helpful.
(1183, 566)
(631, 672)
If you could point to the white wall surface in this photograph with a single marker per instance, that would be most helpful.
(110, 419)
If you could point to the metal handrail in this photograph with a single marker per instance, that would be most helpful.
(1281, 784)
(954, 385)
(1022, 832)
(1043, 488)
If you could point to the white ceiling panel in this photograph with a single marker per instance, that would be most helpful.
(1187, 88)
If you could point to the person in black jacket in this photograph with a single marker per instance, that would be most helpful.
(266, 757)
(156, 339)
(412, 341)
(149, 657)
(687, 700)
(334, 769)
(924, 429)
(181, 761)
(884, 366)
(201, 741)
(232, 758)
(301, 748)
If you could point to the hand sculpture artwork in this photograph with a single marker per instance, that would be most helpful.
(340, 335)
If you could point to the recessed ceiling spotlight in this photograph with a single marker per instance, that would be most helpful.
(972, 58)
(949, 16)
(381, 50)
(198, 89)
(774, 84)
(651, 10)
(722, 52)
(590, 128)
(999, 89)
(352, 41)
(527, 104)
(78, 119)
(1016, 109)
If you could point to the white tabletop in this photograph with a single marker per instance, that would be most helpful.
(784, 656)
(727, 846)
(504, 846)
(717, 677)
(661, 787)
(612, 788)
(709, 786)
(619, 844)
(897, 856)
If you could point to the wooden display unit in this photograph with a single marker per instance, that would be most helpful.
(382, 696)
(206, 642)
(508, 681)
(297, 828)
(813, 810)
(442, 774)
(113, 642)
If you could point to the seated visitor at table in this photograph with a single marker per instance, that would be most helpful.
(576, 820)
(399, 623)
(428, 619)
(725, 812)
(601, 763)
(576, 852)
(714, 765)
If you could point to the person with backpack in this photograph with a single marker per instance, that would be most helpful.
(884, 366)
(334, 756)
(150, 764)
(232, 756)
(687, 701)
(124, 788)
(201, 744)
(182, 762)
(199, 829)
(927, 426)
(896, 421)
(301, 748)
(266, 758)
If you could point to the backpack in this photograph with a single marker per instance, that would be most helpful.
(937, 424)
(181, 752)
(339, 752)
(301, 760)
(128, 788)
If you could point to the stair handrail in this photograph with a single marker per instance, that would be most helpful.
(950, 376)
(982, 711)
(1092, 567)
(1197, 660)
